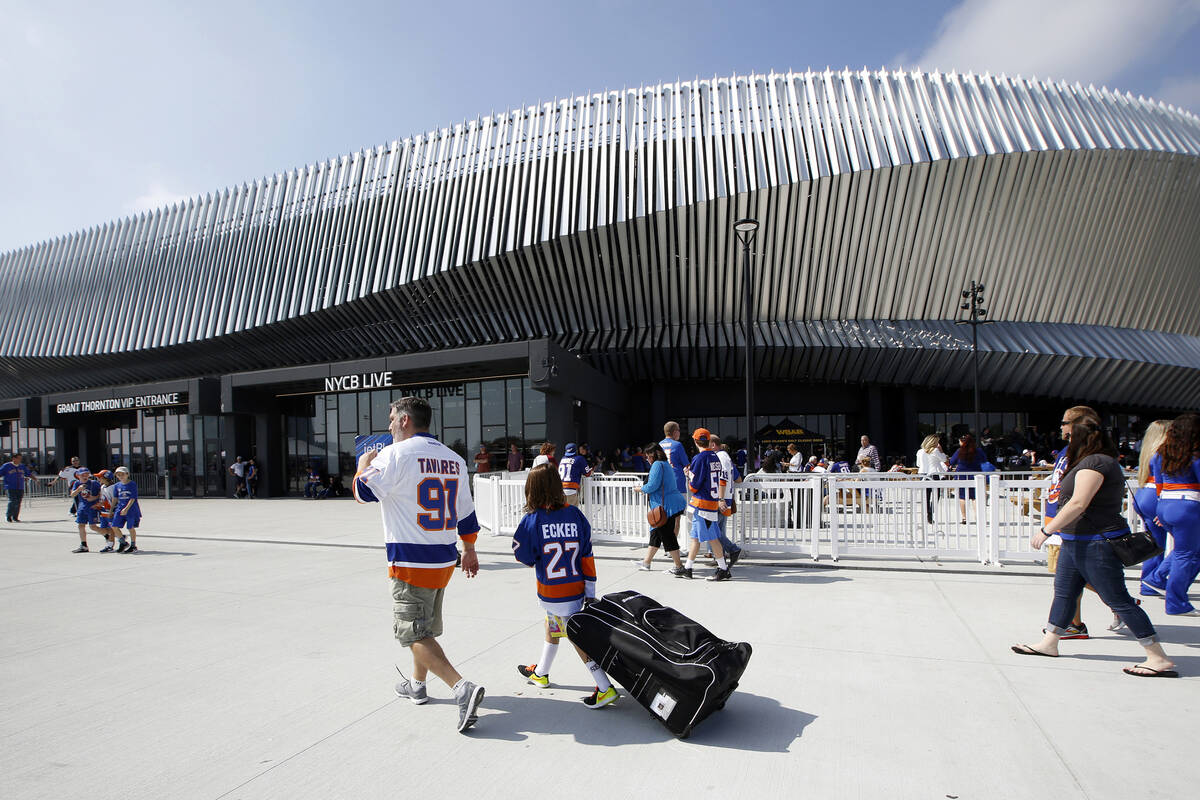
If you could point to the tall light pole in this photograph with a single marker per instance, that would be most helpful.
(975, 318)
(745, 229)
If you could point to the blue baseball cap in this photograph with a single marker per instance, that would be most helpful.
(569, 449)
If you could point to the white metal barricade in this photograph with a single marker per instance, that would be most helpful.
(872, 517)
(616, 507)
(834, 515)
(1016, 511)
(775, 513)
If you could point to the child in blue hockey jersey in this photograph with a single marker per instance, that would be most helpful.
(556, 540)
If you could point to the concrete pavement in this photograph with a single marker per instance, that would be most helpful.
(247, 653)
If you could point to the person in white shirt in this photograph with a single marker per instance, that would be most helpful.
(545, 456)
(931, 463)
(424, 494)
(732, 476)
(796, 462)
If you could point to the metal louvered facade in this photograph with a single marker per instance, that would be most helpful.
(604, 223)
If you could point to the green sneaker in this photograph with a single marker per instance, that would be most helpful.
(599, 699)
(530, 674)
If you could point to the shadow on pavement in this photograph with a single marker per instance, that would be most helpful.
(752, 574)
(1188, 635)
(748, 722)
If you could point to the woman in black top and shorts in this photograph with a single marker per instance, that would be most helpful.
(1090, 498)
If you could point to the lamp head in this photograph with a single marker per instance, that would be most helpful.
(746, 225)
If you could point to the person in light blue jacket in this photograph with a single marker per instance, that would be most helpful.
(663, 492)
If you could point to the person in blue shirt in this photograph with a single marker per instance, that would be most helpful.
(14, 474)
(1176, 471)
(313, 487)
(663, 492)
(127, 513)
(86, 491)
(571, 471)
(556, 540)
(677, 460)
(967, 458)
(251, 479)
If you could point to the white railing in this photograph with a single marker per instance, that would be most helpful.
(988, 517)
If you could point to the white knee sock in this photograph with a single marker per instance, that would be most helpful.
(598, 676)
(549, 651)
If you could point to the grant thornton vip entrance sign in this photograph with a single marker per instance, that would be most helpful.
(131, 402)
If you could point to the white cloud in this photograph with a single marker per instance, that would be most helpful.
(156, 197)
(1182, 91)
(1090, 41)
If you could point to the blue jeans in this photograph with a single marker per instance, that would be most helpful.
(726, 544)
(14, 503)
(1094, 562)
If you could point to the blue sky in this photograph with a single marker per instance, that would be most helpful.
(110, 108)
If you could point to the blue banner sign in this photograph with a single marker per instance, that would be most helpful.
(371, 441)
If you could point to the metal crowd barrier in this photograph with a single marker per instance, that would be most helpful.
(828, 515)
(44, 489)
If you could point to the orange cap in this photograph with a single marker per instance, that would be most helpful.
(701, 435)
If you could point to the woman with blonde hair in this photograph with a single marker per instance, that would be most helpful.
(1145, 501)
(931, 463)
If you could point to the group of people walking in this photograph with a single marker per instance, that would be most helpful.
(707, 482)
(427, 512)
(106, 503)
(1087, 494)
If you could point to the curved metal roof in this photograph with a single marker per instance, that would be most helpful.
(607, 219)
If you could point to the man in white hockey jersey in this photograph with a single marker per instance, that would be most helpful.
(425, 498)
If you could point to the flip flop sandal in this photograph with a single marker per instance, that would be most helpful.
(1026, 650)
(1140, 671)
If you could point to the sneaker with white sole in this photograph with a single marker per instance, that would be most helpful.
(468, 705)
(405, 689)
(643, 566)
(529, 673)
(599, 699)
(1079, 631)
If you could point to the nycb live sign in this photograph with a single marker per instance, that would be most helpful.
(365, 380)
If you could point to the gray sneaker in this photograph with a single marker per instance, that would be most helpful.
(405, 688)
(468, 703)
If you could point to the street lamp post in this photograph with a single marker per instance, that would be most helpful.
(745, 229)
(973, 304)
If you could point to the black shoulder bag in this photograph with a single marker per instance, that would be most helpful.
(1136, 546)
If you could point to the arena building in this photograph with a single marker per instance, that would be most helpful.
(569, 271)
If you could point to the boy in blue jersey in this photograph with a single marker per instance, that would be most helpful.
(556, 540)
(104, 510)
(86, 491)
(572, 470)
(706, 489)
(126, 511)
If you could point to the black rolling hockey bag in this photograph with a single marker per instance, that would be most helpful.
(670, 664)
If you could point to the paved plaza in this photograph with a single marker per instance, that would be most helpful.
(247, 653)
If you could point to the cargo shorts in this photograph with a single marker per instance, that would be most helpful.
(416, 612)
